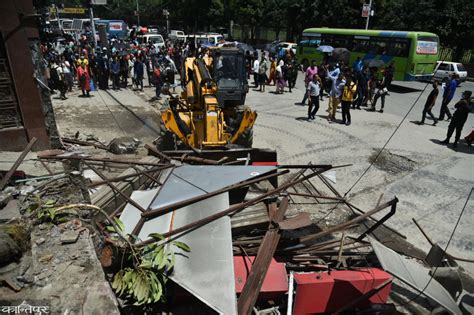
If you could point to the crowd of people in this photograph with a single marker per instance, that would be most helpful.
(353, 87)
(120, 64)
(123, 64)
(347, 86)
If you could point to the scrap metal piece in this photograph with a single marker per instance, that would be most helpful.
(413, 274)
(190, 181)
(275, 283)
(340, 288)
(207, 271)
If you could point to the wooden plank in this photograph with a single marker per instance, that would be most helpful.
(267, 248)
(17, 163)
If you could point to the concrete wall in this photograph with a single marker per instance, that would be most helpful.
(18, 25)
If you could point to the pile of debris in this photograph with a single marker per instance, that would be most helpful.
(235, 235)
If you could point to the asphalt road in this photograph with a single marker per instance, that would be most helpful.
(431, 180)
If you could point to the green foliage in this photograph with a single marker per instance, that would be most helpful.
(141, 284)
(45, 211)
(144, 279)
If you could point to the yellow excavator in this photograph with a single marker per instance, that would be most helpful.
(210, 113)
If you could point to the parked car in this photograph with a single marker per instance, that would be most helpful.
(287, 46)
(155, 39)
(155, 29)
(444, 69)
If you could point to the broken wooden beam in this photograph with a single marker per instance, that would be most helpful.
(260, 266)
(17, 163)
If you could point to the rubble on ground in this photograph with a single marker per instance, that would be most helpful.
(233, 234)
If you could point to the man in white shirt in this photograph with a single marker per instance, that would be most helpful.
(313, 90)
(255, 68)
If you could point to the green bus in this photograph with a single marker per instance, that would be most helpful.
(414, 54)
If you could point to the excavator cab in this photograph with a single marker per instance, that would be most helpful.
(229, 73)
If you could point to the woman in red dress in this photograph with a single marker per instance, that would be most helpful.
(84, 79)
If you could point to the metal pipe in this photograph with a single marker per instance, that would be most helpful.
(310, 166)
(120, 178)
(316, 196)
(352, 207)
(432, 243)
(348, 223)
(130, 200)
(157, 152)
(169, 208)
(72, 157)
(142, 220)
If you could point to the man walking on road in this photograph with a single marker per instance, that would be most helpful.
(337, 86)
(430, 102)
(459, 118)
(313, 90)
(310, 73)
(449, 90)
(362, 84)
(347, 97)
(381, 93)
(255, 68)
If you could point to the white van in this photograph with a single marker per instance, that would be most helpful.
(444, 69)
(211, 39)
(176, 35)
(155, 39)
(215, 38)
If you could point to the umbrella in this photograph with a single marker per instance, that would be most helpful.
(325, 49)
(341, 55)
(375, 63)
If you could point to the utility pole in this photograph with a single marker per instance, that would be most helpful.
(93, 25)
(368, 15)
(138, 16)
(166, 13)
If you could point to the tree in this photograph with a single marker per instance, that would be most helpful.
(249, 13)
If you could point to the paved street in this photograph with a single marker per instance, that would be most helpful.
(431, 180)
(107, 115)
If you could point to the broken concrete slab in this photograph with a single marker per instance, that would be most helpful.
(98, 297)
(40, 241)
(10, 211)
(69, 237)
